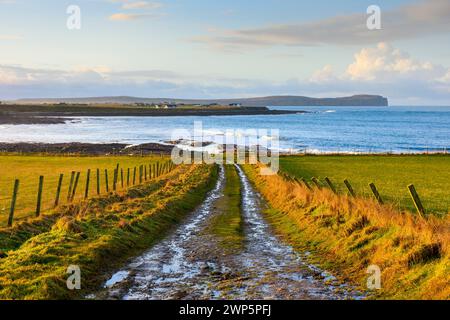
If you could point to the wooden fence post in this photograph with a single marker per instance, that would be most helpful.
(150, 171)
(69, 193)
(306, 183)
(145, 172)
(13, 203)
(140, 174)
(154, 170)
(39, 196)
(416, 200)
(134, 176)
(121, 177)
(157, 169)
(115, 175)
(106, 180)
(128, 177)
(299, 182)
(316, 182)
(330, 184)
(350, 188)
(88, 178)
(98, 181)
(58, 189)
(376, 193)
(74, 190)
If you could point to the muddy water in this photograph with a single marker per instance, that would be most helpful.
(190, 265)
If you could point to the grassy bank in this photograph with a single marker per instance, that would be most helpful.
(227, 225)
(347, 235)
(28, 169)
(97, 235)
(391, 174)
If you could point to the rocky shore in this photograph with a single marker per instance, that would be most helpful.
(85, 148)
(26, 119)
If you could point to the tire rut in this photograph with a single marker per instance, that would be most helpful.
(189, 264)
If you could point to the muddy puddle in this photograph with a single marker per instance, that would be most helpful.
(189, 264)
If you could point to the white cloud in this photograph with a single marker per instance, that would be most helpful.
(132, 16)
(381, 69)
(423, 18)
(443, 83)
(384, 61)
(146, 10)
(325, 74)
(141, 5)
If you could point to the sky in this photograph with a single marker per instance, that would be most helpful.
(225, 49)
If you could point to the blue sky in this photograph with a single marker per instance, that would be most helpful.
(205, 49)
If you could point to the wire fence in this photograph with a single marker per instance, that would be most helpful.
(350, 190)
(31, 198)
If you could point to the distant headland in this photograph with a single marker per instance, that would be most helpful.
(363, 100)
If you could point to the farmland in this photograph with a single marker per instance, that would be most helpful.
(430, 175)
(208, 218)
(28, 169)
(97, 234)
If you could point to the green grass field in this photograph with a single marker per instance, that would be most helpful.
(98, 235)
(28, 169)
(430, 174)
(228, 224)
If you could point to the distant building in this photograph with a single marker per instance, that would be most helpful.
(170, 106)
(235, 105)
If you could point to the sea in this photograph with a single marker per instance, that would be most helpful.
(400, 129)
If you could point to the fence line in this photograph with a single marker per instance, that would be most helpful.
(75, 181)
(302, 182)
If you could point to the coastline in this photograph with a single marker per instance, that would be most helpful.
(101, 149)
(59, 114)
(79, 148)
(26, 119)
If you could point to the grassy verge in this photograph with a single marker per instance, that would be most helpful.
(98, 235)
(227, 225)
(347, 235)
(391, 174)
(28, 169)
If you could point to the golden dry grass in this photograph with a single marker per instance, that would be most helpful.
(430, 174)
(347, 235)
